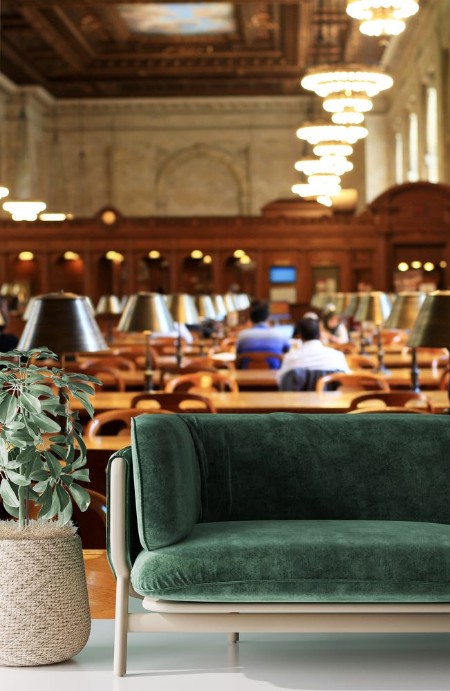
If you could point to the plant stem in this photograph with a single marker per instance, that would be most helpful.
(22, 508)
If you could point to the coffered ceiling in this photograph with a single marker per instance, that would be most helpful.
(104, 48)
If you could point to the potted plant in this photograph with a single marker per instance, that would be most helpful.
(44, 612)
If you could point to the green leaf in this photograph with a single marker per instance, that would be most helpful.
(60, 451)
(86, 403)
(12, 510)
(79, 386)
(8, 409)
(53, 464)
(44, 390)
(17, 478)
(30, 403)
(45, 500)
(45, 423)
(54, 508)
(82, 475)
(79, 462)
(65, 513)
(28, 455)
(8, 494)
(41, 486)
(80, 495)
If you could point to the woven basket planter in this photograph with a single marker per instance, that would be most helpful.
(44, 606)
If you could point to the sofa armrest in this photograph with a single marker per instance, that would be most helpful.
(123, 544)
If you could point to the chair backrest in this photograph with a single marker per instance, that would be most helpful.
(261, 360)
(112, 381)
(116, 362)
(389, 409)
(416, 400)
(115, 422)
(352, 382)
(301, 379)
(202, 383)
(176, 402)
(444, 380)
(360, 361)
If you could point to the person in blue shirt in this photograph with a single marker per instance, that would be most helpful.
(261, 337)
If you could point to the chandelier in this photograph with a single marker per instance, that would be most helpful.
(4, 191)
(382, 17)
(326, 164)
(332, 148)
(315, 133)
(24, 210)
(357, 81)
(316, 189)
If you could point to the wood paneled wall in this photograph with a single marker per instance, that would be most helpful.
(407, 221)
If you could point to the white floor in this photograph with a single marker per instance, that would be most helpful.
(200, 662)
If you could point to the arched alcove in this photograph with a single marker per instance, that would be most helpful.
(67, 273)
(153, 273)
(200, 181)
(196, 276)
(240, 277)
(25, 278)
(111, 274)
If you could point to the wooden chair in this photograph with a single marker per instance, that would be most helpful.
(352, 382)
(392, 399)
(121, 363)
(176, 402)
(259, 360)
(116, 422)
(113, 380)
(360, 361)
(389, 409)
(202, 383)
(444, 380)
(167, 373)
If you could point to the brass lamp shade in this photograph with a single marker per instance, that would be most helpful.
(28, 309)
(404, 311)
(432, 326)
(183, 309)
(64, 323)
(205, 307)
(352, 304)
(2, 320)
(243, 301)
(146, 312)
(219, 305)
(373, 307)
(230, 303)
(108, 304)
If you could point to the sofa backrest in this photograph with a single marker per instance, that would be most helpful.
(191, 468)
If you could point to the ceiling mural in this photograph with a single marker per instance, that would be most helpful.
(104, 48)
(179, 19)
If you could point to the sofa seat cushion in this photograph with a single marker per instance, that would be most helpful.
(301, 561)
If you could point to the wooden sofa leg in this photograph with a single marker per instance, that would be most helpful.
(121, 628)
(233, 638)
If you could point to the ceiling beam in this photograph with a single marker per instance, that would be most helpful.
(52, 37)
(25, 66)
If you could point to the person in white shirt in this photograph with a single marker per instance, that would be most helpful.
(312, 355)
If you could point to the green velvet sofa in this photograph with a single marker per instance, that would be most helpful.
(281, 522)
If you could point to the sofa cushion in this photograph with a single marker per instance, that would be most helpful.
(297, 467)
(301, 561)
(166, 479)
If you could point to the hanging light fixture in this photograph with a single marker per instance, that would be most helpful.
(357, 82)
(382, 17)
(315, 133)
(310, 165)
(4, 191)
(309, 190)
(333, 148)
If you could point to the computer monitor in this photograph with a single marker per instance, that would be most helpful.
(282, 274)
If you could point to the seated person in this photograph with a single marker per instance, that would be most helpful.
(261, 337)
(334, 331)
(312, 358)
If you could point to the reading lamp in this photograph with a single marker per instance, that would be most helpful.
(432, 326)
(145, 313)
(109, 305)
(374, 307)
(206, 311)
(63, 322)
(403, 315)
(183, 311)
